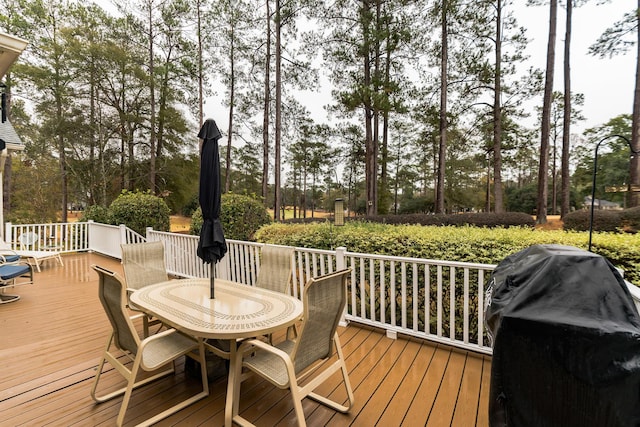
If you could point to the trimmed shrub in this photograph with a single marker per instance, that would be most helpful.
(603, 220)
(139, 210)
(481, 219)
(631, 219)
(96, 213)
(416, 205)
(241, 216)
(190, 207)
(464, 243)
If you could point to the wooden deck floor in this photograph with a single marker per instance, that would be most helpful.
(52, 338)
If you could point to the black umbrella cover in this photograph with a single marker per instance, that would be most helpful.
(212, 245)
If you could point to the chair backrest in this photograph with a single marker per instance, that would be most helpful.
(324, 300)
(143, 264)
(113, 295)
(4, 246)
(28, 239)
(275, 268)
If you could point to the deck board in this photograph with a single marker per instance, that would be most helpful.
(52, 339)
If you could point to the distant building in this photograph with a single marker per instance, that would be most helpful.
(601, 204)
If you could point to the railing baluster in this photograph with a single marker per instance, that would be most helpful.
(452, 303)
(415, 297)
(392, 290)
(403, 294)
(372, 289)
(383, 300)
(427, 299)
(465, 328)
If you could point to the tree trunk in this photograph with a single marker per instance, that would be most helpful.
(232, 90)
(60, 133)
(543, 167)
(63, 160)
(371, 147)
(497, 117)
(152, 105)
(200, 67)
(276, 171)
(442, 149)
(384, 175)
(566, 126)
(634, 169)
(265, 117)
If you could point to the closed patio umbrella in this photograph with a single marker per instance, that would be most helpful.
(212, 245)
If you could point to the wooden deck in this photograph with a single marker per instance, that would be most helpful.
(53, 337)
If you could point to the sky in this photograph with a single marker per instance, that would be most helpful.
(607, 84)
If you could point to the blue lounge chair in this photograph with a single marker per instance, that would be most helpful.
(13, 275)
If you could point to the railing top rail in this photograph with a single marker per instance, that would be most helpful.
(315, 251)
(170, 233)
(100, 224)
(461, 264)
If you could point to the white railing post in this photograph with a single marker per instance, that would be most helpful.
(341, 264)
(123, 237)
(8, 238)
(340, 258)
(148, 232)
(89, 237)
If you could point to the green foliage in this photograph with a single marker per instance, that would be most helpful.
(190, 207)
(603, 220)
(196, 222)
(139, 210)
(241, 217)
(97, 214)
(179, 181)
(35, 190)
(484, 219)
(631, 219)
(466, 243)
(522, 199)
(416, 205)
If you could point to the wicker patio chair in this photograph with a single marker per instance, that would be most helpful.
(275, 268)
(149, 354)
(276, 273)
(143, 265)
(288, 363)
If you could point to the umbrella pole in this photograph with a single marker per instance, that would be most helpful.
(212, 279)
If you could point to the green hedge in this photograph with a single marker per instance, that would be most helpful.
(631, 219)
(135, 209)
(464, 243)
(627, 220)
(481, 219)
(240, 216)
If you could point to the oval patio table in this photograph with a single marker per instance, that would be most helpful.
(237, 311)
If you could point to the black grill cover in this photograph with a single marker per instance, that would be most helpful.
(566, 341)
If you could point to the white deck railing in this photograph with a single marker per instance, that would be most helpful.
(441, 301)
(436, 300)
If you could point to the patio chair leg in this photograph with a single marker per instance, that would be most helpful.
(127, 394)
(6, 298)
(297, 402)
(337, 365)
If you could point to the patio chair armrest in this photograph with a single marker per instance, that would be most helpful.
(5, 252)
(254, 344)
(251, 345)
